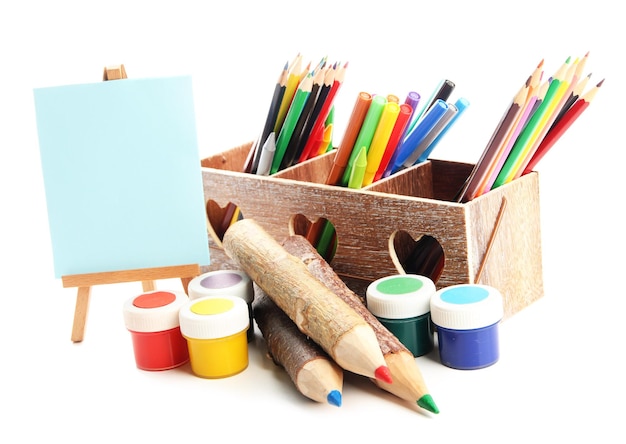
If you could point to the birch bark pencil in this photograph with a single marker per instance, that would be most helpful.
(408, 383)
(311, 370)
(317, 311)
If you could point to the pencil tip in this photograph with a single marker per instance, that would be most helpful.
(426, 402)
(383, 374)
(334, 398)
(600, 83)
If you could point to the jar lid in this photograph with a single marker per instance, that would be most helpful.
(466, 306)
(212, 317)
(222, 282)
(400, 296)
(154, 311)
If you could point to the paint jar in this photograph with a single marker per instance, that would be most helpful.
(225, 282)
(215, 328)
(467, 317)
(152, 319)
(402, 304)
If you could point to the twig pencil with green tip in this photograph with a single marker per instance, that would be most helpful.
(408, 383)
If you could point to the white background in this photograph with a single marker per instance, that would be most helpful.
(560, 376)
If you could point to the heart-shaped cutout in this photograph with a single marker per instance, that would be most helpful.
(423, 256)
(220, 218)
(321, 234)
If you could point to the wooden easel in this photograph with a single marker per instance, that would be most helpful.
(147, 276)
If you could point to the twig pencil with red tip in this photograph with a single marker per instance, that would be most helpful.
(318, 312)
(408, 383)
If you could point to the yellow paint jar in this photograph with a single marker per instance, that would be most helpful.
(215, 329)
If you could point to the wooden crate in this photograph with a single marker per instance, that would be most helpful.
(368, 222)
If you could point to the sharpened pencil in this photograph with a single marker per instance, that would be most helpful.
(311, 370)
(559, 129)
(319, 313)
(408, 382)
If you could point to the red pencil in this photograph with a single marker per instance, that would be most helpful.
(318, 127)
(562, 125)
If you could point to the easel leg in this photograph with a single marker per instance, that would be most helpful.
(80, 313)
(148, 286)
(185, 282)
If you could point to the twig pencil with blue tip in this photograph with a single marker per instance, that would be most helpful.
(317, 311)
(408, 383)
(311, 370)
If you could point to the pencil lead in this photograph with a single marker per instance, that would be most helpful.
(426, 402)
(600, 83)
(334, 398)
(383, 374)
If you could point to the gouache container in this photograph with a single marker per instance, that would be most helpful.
(152, 319)
(225, 283)
(215, 329)
(402, 304)
(467, 317)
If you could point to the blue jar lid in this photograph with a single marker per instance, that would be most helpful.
(466, 306)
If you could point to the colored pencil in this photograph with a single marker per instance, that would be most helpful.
(307, 131)
(531, 131)
(293, 80)
(319, 313)
(359, 111)
(564, 91)
(294, 141)
(387, 121)
(408, 382)
(291, 119)
(488, 155)
(310, 368)
(535, 93)
(562, 125)
(576, 93)
(272, 113)
(267, 155)
(318, 126)
(398, 129)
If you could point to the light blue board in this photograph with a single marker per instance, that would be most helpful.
(122, 175)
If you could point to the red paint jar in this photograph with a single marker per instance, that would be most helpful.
(153, 322)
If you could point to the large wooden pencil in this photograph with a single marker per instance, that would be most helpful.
(408, 383)
(312, 371)
(317, 311)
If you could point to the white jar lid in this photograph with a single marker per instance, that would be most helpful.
(466, 306)
(222, 282)
(154, 311)
(213, 317)
(400, 296)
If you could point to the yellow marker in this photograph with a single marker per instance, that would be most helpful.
(215, 328)
(388, 118)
